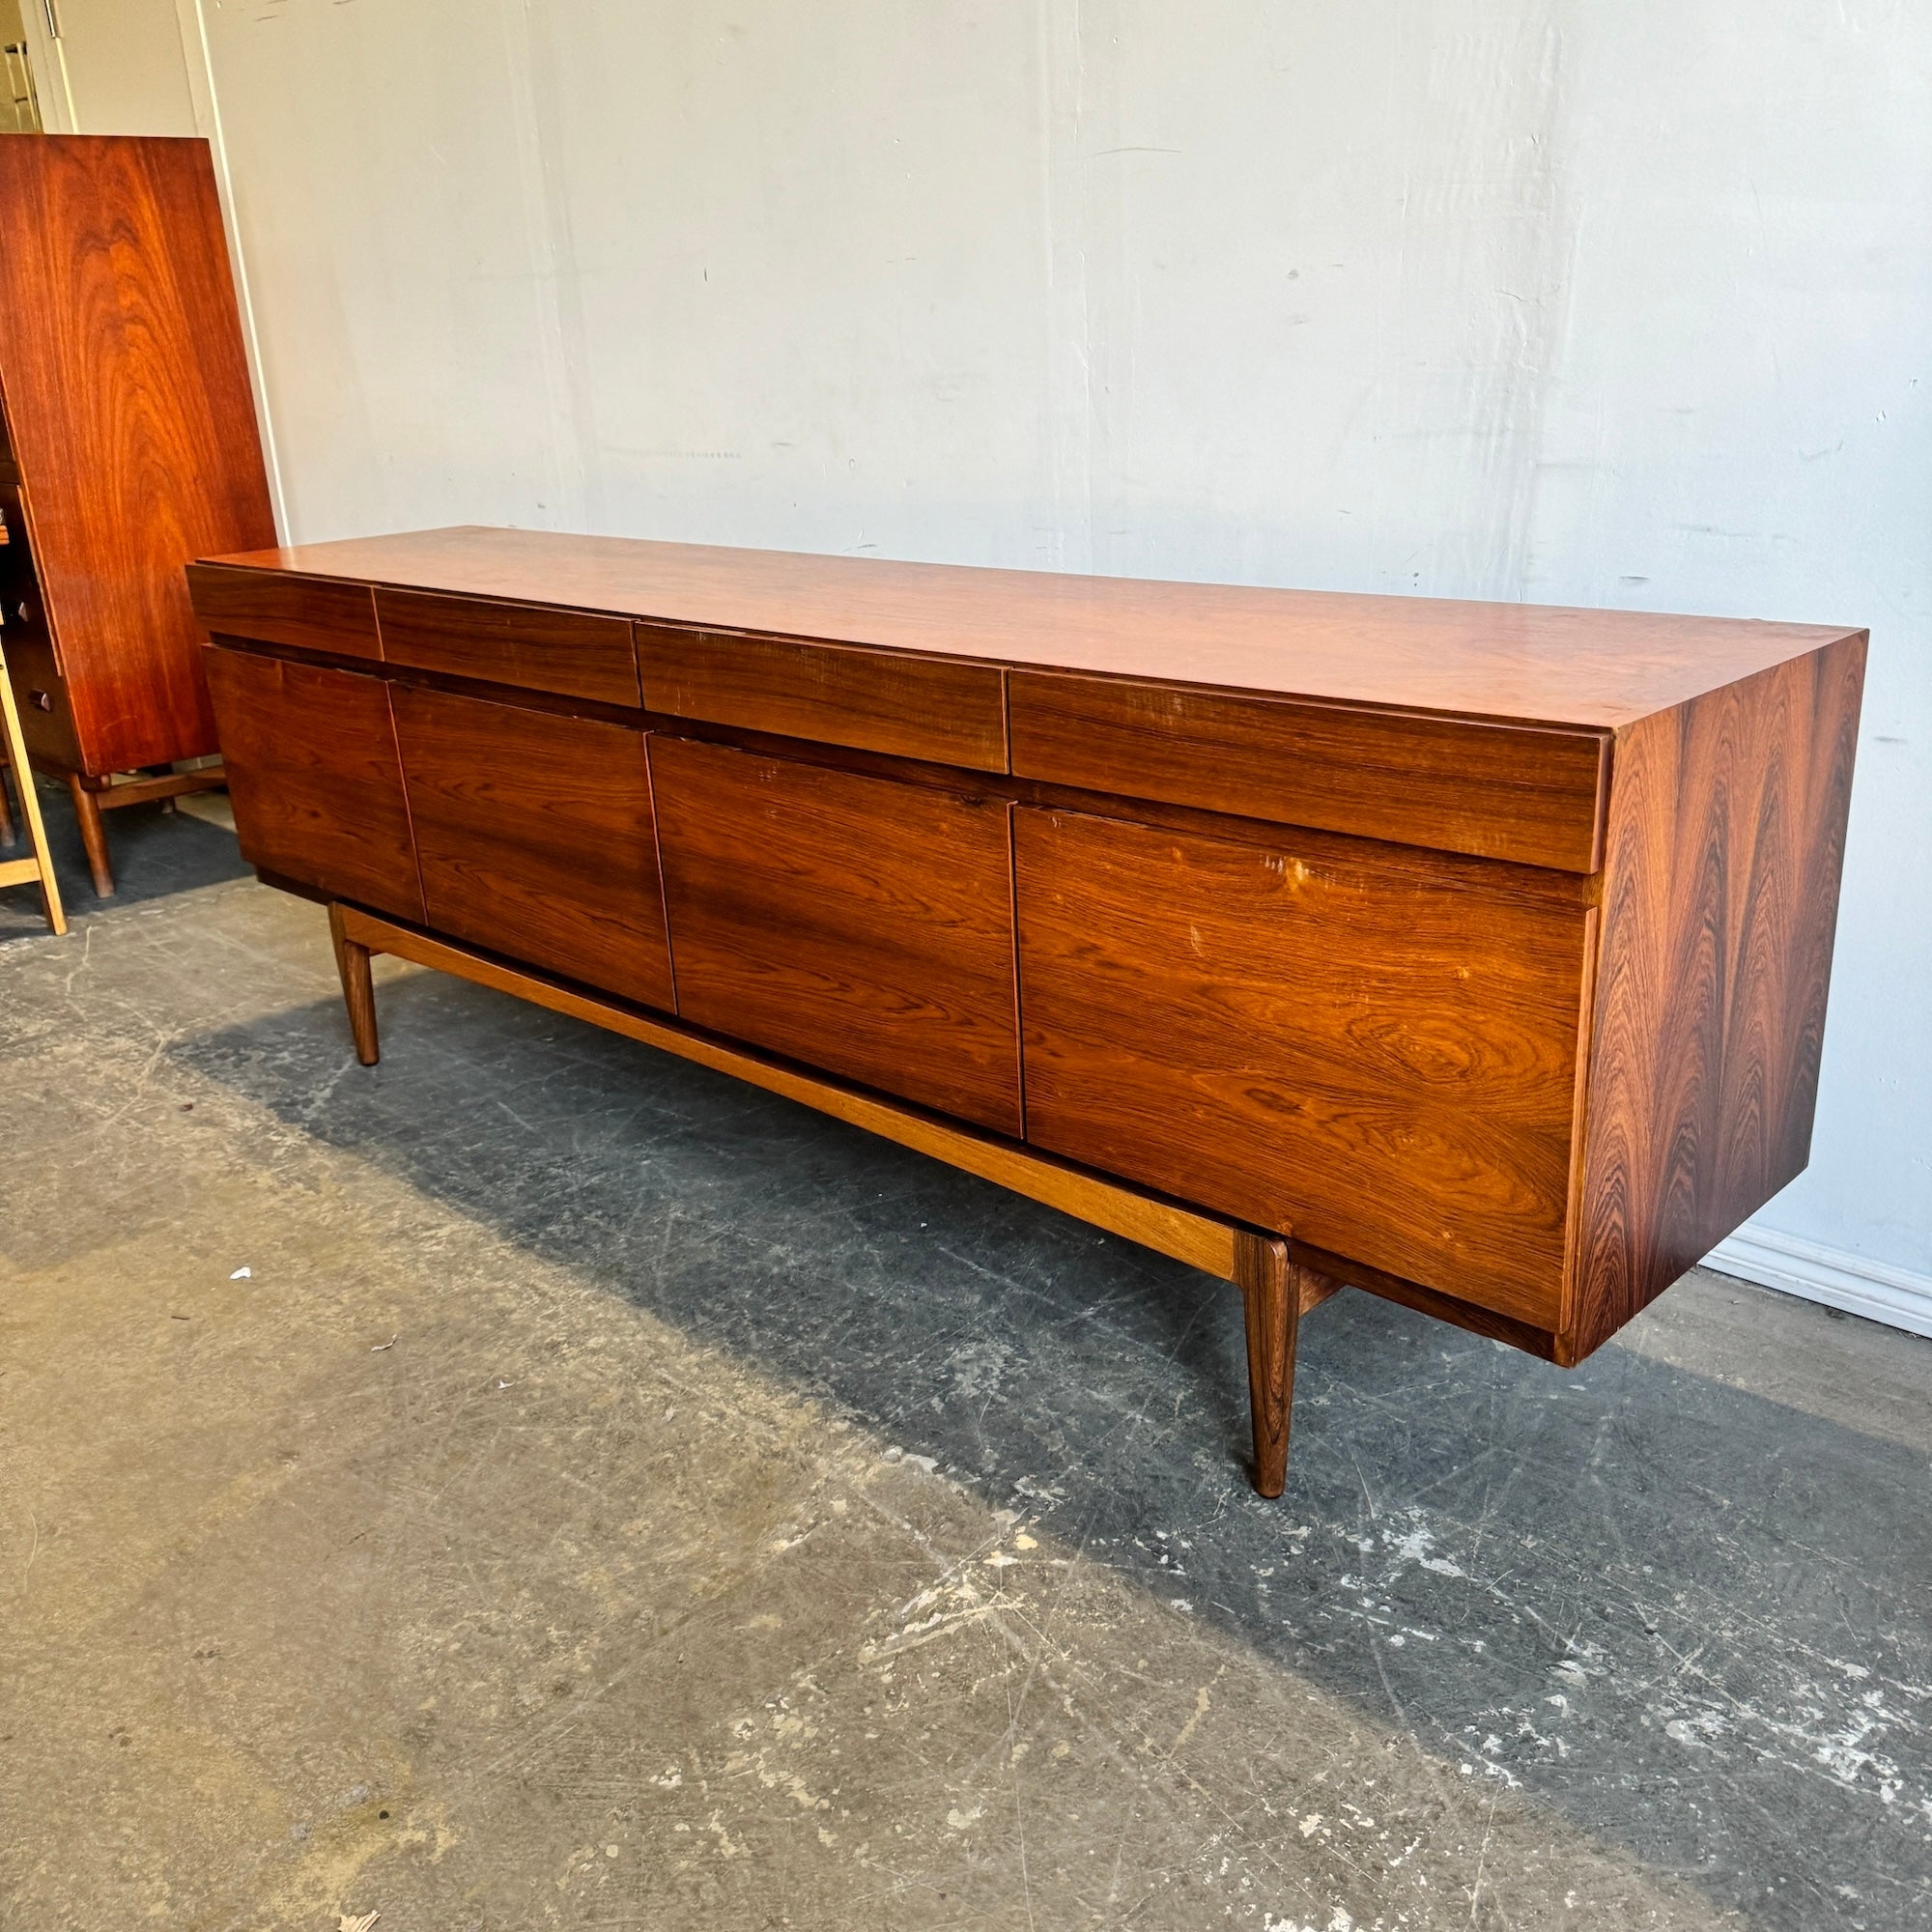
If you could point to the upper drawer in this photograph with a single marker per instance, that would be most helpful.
(568, 652)
(936, 708)
(1529, 793)
(316, 613)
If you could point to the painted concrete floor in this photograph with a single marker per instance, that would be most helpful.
(538, 1482)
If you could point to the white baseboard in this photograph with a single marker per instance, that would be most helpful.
(1901, 1297)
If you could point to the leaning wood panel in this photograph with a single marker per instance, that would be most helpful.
(535, 838)
(131, 420)
(859, 925)
(1381, 1060)
(572, 653)
(318, 788)
(1721, 894)
(1498, 791)
(952, 714)
(270, 607)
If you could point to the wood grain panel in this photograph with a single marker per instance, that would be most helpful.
(858, 925)
(569, 652)
(1381, 1061)
(131, 420)
(952, 714)
(1721, 894)
(314, 776)
(535, 838)
(312, 613)
(1510, 662)
(1497, 791)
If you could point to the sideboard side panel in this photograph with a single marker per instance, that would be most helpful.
(1724, 848)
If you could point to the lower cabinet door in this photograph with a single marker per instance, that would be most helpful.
(1379, 1056)
(316, 783)
(856, 923)
(536, 839)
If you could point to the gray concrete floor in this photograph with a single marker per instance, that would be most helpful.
(612, 1497)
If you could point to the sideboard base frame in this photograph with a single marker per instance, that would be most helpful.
(1276, 1288)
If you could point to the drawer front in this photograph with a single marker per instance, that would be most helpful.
(858, 925)
(314, 776)
(1376, 1055)
(313, 614)
(932, 708)
(535, 838)
(41, 696)
(568, 652)
(1497, 791)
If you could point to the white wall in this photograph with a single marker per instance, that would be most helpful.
(118, 66)
(1620, 306)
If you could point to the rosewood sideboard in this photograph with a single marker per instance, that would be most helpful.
(1473, 955)
(128, 446)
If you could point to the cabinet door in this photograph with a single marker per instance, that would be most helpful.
(312, 769)
(859, 925)
(536, 839)
(1379, 1054)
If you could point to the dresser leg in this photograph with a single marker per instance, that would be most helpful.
(94, 835)
(358, 990)
(1272, 1292)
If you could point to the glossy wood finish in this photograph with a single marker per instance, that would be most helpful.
(560, 651)
(854, 923)
(536, 836)
(317, 787)
(1596, 669)
(1271, 1294)
(949, 713)
(131, 422)
(1726, 842)
(311, 614)
(359, 987)
(1473, 957)
(1457, 784)
(1381, 1061)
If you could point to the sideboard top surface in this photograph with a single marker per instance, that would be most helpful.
(1599, 669)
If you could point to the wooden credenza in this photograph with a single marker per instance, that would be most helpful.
(128, 446)
(1473, 955)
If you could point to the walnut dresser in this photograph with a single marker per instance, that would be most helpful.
(1473, 955)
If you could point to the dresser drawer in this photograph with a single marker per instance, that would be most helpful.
(934, 708)
(859, 925)
(571, 653)
(1379, 1056)
(315, 779)
(273, 607)
(535, 838)
(1499, 791)
(41, 695)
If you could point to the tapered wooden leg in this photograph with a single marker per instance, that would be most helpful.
(1271, 1288)
(358, 990)
(93, 835)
